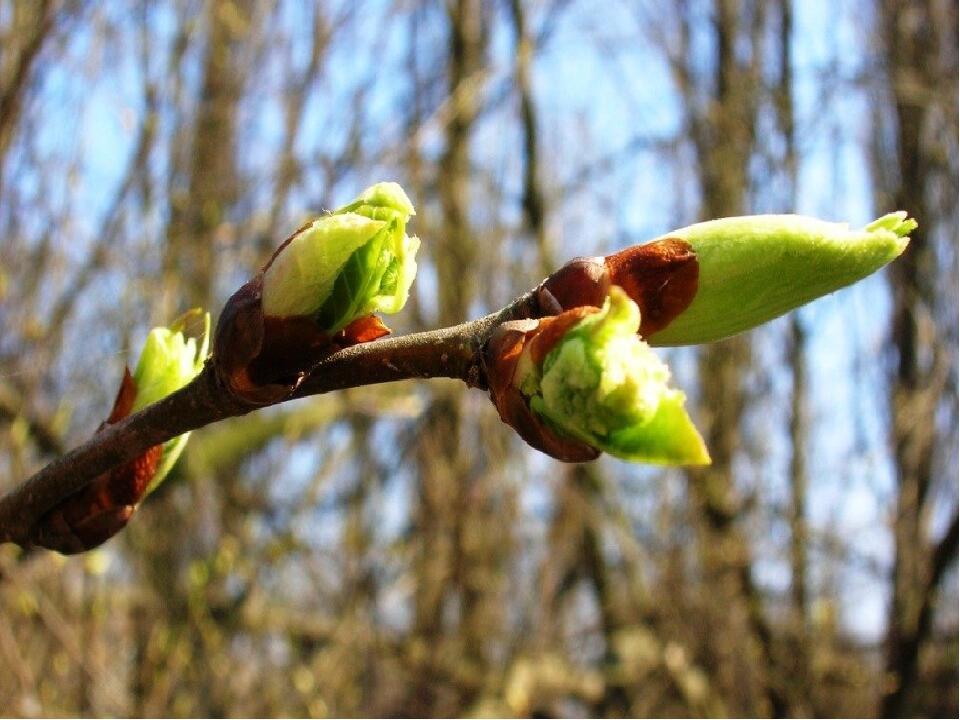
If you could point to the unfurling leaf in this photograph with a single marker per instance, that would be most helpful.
(591, 380)
(356, 261)
(317, 294)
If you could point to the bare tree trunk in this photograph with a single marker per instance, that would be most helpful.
(533, 201)
(723, 134)
(798, 660)
(920, 42)
(445, 478)
(615, 701)
(198, 210)
(34, 26)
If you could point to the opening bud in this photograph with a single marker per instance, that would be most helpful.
(587, 378)
(168, 362)
(356, 261)
(317, 294)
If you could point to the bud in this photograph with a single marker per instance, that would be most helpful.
(756, 268)
(502, 355)
(317, 294)
(93, 515)
(716, 279)
(586, 377)
(167, 363)
(354, 262)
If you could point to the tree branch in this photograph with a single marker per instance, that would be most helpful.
(453, 352)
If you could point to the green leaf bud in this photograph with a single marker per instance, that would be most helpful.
(383, 201)
(167, 362)
(756, 268)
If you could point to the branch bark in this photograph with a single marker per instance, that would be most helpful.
(453, 352)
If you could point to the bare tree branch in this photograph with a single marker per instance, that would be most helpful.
(453, 352)
(12, 95)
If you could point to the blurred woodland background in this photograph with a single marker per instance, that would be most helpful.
(396, 550)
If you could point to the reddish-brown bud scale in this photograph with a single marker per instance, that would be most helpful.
(660, 277)
(501, 357)
(237, 343)
(123, 403)
(262, 359)
(550, 331)
(289, 347)
(293, 345)
(361, 330)
(98, 512)
(283, 245)
(582, 281)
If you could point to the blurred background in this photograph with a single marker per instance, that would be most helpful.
(396, 550)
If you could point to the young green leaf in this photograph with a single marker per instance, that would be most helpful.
(302, 275)
(356, 261)
(167, 362)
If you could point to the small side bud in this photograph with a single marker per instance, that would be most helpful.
(90, 517)
(168, 362)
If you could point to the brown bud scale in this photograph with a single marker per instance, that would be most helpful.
(501, 356)
(582, 281)
(261, 359)
(660, 277)
(92, 516)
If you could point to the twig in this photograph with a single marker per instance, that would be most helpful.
(453, 352)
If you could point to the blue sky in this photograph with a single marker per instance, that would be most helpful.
(600, 84)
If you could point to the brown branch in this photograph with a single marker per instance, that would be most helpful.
(453, 352)
(237, 379)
